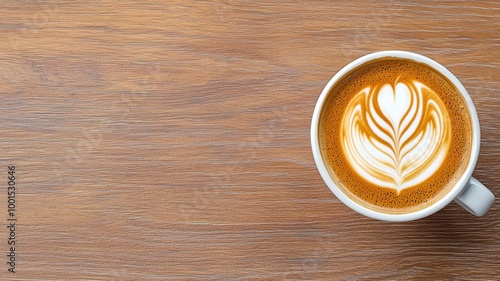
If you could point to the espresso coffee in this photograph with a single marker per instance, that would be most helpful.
(395, 135)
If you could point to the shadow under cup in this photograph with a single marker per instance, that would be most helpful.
(395, 136)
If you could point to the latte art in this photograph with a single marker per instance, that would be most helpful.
(396, 136)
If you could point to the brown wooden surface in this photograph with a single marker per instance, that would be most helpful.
(169, 140)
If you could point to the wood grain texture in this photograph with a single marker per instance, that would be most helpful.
(169, 140)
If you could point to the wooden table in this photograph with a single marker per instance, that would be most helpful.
(169, 140)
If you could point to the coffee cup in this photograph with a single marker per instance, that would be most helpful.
(395, 136)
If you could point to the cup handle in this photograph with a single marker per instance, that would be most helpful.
(475, 198)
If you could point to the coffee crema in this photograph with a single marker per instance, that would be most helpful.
(395, 135)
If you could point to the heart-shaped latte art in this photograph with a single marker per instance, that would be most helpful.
(396, 136)
(392, 105)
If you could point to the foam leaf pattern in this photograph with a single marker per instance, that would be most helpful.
(396, 136)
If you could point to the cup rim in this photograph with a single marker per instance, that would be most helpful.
(446, 199)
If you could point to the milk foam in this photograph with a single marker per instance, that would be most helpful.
(396, 136)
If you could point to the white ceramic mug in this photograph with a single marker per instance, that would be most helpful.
(467, 192)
